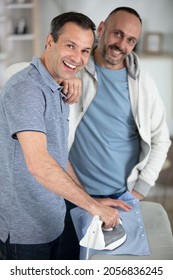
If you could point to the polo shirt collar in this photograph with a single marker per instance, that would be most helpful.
(46, 76)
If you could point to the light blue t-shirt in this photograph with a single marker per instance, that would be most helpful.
(106, 145)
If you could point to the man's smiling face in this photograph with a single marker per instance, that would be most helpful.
(70, 53)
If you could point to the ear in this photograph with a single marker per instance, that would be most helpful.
(49, 41)
(100, 29)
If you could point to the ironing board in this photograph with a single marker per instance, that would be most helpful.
(158, 231)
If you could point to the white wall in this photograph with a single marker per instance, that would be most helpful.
(156, 14)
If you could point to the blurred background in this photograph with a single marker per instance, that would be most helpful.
(24, 25)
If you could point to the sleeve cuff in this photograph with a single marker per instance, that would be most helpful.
(142, 187)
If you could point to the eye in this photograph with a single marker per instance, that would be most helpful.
(117, 34)
(131, 41)
(70, 46)
(86, 52)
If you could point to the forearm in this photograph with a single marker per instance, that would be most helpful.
(52, 176)
(72, 174)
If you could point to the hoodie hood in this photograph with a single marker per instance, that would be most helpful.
(132, 63)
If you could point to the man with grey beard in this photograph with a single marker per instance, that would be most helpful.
(118, 134)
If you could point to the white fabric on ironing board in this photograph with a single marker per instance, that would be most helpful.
(136, 242)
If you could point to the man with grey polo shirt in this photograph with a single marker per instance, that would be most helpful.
(35, 175)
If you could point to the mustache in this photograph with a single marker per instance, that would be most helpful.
(116, 48)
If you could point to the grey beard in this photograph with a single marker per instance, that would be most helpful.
(113, 61)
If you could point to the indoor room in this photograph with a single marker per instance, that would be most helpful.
(24, 25)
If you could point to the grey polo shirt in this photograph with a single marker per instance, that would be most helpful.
(31, 101)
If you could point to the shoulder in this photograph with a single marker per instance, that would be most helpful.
(13, 69)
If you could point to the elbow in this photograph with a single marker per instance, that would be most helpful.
(34, 169)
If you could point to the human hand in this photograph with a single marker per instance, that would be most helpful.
(72, 88)
(108, 215)
(138, 195)
(114, 203)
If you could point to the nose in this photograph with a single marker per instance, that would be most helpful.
(77, 56)
(122, 44)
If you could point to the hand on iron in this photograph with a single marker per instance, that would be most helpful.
(109, 216)
(114, 203)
